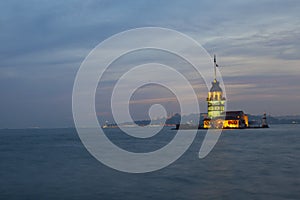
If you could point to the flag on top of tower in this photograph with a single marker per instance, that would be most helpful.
(215, 61)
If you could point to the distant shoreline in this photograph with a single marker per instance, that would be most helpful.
(40, 128)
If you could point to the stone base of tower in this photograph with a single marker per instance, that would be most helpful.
(228, 120)
(233, 120)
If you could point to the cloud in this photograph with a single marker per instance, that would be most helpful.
(283, 44)
(44, 42)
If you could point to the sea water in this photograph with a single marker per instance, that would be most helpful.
(245, 164)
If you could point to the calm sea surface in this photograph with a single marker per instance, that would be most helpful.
(245, 164)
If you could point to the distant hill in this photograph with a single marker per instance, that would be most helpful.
(284, 119)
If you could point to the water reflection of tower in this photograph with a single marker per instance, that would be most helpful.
(215, 99)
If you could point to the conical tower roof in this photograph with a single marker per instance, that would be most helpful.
(215, 86)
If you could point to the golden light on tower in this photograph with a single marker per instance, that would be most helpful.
(215, 99)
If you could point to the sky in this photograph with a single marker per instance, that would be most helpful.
(43, 43)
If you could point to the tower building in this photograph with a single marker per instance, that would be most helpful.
(217, 117)
(215, 99)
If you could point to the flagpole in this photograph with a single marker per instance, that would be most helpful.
(215, 66)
